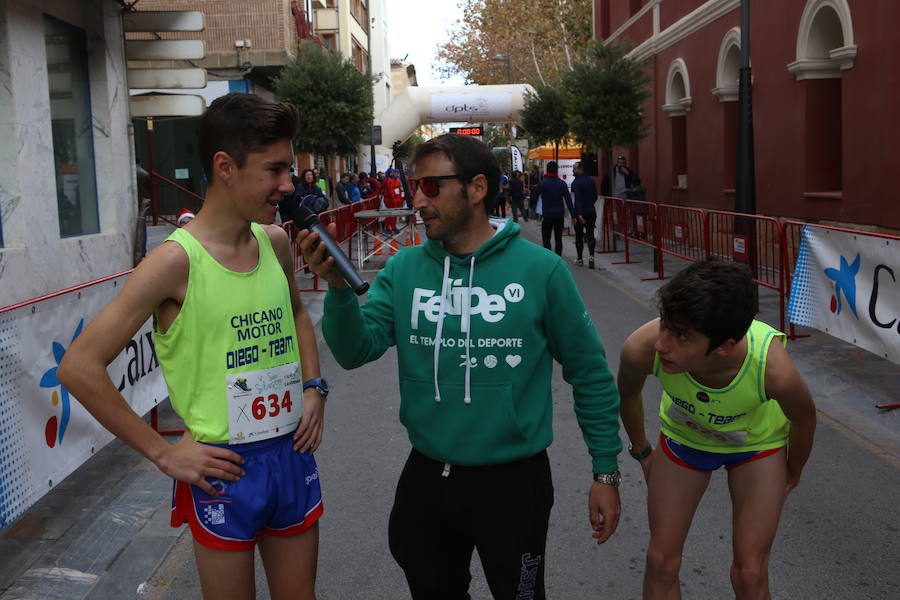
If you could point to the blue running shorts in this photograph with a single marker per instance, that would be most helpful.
(701, 460)
(279, 495)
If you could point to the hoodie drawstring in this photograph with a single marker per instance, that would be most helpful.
(440, 326)
(467, 312)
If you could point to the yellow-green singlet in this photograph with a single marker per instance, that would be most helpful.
(229, 323)
(736, 418)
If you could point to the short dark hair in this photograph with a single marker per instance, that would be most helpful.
(552, 167)
(470, 157)
(239, 124)
(713, 296)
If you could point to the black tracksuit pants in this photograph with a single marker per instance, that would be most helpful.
(555, 227)
(502, 510)
(584, 232)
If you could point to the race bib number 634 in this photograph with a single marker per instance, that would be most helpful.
(264, 404)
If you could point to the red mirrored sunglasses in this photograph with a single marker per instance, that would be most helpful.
(431, 186)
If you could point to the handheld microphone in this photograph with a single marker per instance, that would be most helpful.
(306, 219)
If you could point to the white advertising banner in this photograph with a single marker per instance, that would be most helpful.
(44, 433)
(846, 284)
(471, 106)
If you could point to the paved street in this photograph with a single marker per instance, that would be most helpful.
(103, 533)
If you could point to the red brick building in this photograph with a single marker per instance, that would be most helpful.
(825, 90)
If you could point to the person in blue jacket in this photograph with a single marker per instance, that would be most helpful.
(585, 216)
(553, 191)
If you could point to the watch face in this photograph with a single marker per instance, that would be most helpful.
(323, 386)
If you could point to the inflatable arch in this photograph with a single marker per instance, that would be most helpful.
(415, 106)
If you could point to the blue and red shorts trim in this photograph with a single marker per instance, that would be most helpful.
(279, 495)
(701, 460)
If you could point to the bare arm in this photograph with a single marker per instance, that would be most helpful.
(635, 364)
(785, 385)
(161, 276)
(308, 435)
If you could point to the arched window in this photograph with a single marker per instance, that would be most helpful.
(678, 103)
(678, 89)
(825, 49)
(824, 41)
(728, 68)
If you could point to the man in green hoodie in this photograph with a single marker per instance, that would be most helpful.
(478, 315)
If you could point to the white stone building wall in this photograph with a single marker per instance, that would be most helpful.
(34, 259)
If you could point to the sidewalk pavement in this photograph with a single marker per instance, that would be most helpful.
(103, 533)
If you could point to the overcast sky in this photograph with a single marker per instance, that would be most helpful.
(416, 27)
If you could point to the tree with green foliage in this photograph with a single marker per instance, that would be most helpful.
(543, 117)
(334, 99)
(603, 97)
(538, 38)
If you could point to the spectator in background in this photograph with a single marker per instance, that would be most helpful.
(517, 196)
(375, 186)
(353, 191)
(290, 201)
(310, 193)
(622, 182)
(500, 208)
(393, 198)
(184, 217)
(321, 181)
(553, 191)
(341, 189)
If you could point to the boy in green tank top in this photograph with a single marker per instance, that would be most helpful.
(230, 333)
(731, 397)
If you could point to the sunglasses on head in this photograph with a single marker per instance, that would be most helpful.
(431, 186)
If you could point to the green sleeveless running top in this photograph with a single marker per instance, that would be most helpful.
(736, 418)
(229, 323)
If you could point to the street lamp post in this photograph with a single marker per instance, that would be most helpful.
(745, 184)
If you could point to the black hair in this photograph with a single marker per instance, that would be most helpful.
(552, 167)
(470, 157)
(713, 296)
(239, 124)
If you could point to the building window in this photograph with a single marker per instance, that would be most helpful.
(360, 12)
(823, 147)
(329, 40)
(360, 58)
(70, 117)
(678, 104)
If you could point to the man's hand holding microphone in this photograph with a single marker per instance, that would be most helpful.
(323, 255)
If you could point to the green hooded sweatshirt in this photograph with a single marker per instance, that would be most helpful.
(475, 376)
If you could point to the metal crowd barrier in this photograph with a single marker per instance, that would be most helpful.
(693, 234)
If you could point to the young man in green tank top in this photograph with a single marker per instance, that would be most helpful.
(230, 333)
(731, 397)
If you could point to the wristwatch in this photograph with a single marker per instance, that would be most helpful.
(640, 455)
(608, 478)
(320, 384)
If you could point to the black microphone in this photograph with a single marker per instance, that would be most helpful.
(307, 219)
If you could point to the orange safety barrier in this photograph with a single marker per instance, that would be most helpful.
(681, 232)
(753, 239)
(636, 222)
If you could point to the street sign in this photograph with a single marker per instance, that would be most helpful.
(167, 105)
(373, 137)
(164, 49)
(143, 79)
(163, 20)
